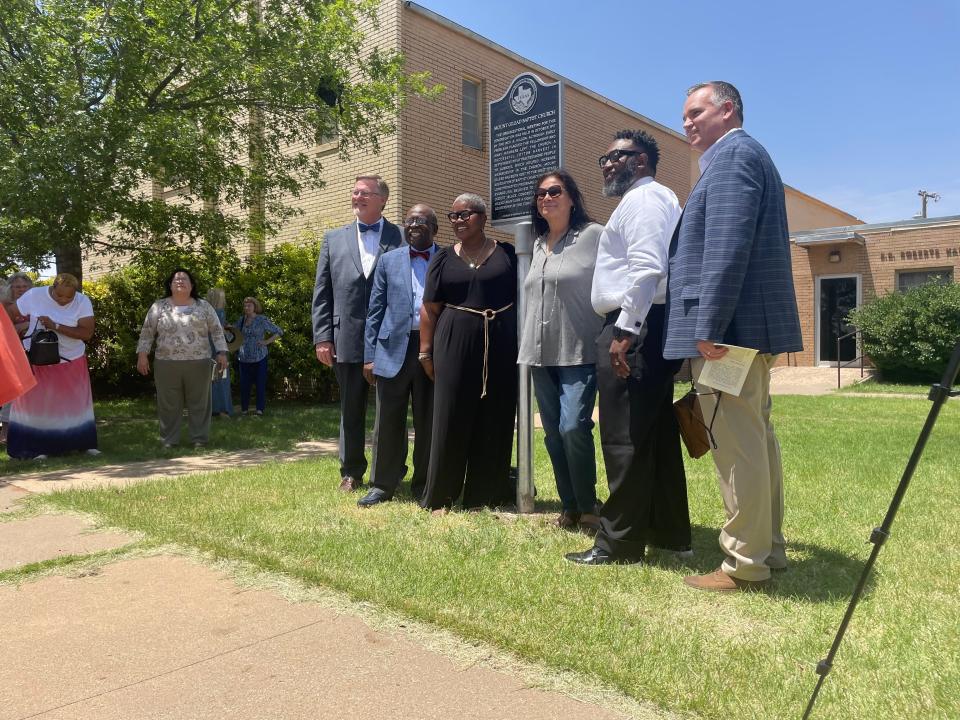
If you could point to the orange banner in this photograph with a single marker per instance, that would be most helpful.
(16, 377)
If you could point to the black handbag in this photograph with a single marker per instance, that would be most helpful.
(44, 348)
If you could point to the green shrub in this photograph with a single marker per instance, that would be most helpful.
(281, 279)
(910, 336)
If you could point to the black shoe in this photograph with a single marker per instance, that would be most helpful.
(374, 497)
(596, 556)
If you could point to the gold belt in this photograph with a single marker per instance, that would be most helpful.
(488, 315)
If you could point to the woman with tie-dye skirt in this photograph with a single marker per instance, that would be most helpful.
(56, 416)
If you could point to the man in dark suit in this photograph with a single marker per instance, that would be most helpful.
(392, 360)
(730, 282)
(345, 268)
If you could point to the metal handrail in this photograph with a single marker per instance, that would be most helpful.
(860, 356)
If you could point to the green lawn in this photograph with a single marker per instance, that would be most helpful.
(878, 386)
(127, 432)
(505, 582)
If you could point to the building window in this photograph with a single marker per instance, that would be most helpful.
(471, 117)
(328, 140)
(907, 280)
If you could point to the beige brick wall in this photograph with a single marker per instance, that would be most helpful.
(877, 262)
(329, 206)
(807, 213)
(436, 166)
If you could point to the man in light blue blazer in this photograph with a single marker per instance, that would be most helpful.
(341, 294)
(392, 363)
(730, 282)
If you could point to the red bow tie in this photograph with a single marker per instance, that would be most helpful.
(425, 254)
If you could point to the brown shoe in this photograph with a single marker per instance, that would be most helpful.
(349, 484)
(589, 523)
(719, 581)
(567, 520)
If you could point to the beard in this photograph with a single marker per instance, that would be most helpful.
(621, 182)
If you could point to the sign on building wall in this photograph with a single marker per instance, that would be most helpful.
(526, 139)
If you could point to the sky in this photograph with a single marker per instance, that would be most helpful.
(857, 102)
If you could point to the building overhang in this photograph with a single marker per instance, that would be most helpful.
(843, 237)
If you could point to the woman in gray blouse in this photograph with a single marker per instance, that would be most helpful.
(183, 326)
(559, 340)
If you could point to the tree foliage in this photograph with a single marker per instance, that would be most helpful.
(223, 99)
(909, 336)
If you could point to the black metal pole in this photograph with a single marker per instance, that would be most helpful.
(938, 394)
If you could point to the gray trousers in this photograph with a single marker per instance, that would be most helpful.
(183, 383)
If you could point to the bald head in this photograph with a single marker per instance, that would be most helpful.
(420, 226)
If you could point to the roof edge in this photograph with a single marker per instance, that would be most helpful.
(824, 203)
(446, 22)
(879, 227)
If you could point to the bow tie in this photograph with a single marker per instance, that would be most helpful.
(425, 254)
(375, 227)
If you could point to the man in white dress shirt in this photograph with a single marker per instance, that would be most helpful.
(638, 431)
(341, 297)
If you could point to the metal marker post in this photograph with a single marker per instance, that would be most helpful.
(525, 140)
(523, 241)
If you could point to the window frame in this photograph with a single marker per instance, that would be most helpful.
(476, 119)
(929, 272)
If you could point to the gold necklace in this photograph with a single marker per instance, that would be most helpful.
(474, 262)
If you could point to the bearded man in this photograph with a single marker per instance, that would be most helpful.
(638, 431)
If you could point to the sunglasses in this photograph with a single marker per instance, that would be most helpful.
(553, 191)
(415, 220)
(462, 215)
(616, 155)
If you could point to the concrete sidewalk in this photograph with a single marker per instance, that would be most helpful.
(787, 380)
(166, 636)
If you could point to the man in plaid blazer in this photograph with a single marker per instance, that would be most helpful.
(730, 282)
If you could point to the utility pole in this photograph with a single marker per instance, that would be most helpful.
(924, 196)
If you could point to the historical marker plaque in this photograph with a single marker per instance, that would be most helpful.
(526, 136)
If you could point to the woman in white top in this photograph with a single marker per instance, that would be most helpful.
(56, 416)
(183, 326)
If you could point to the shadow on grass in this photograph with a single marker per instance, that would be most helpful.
(814, 573)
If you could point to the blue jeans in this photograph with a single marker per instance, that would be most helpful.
(566, 396)
(253, 373)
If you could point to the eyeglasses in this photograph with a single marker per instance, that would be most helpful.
(553, 191)
(414, 221)
(615, 156)
(364, 194)
(462, 215)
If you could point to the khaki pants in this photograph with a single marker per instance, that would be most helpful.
(183, 383)
(749, 474)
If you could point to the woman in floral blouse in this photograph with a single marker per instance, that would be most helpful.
(183, 326)
(258, 332)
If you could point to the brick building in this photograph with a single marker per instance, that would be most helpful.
(836, 269)
(440, 147)
(440, 150)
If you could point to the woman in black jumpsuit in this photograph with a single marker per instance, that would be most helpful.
(468, 286)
